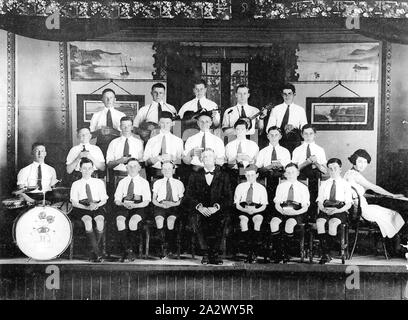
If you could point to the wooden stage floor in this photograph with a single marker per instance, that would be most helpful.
(187, 279)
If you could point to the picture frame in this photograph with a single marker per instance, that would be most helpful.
(88, 104)
(341, 113)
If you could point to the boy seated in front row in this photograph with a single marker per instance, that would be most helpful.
(292, 200)
(334, 200)
(167, 195)
(88, 197)
(132, 196)
(250, 200)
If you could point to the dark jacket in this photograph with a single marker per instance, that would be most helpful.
(198, 191)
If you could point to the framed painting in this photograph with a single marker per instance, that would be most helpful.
(92, 60)
(337, 113)
(88, 104)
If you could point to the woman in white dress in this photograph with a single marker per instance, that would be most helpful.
(389, 221)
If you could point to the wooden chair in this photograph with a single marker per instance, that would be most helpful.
(360, 225)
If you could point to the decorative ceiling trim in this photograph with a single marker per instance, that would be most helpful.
(210, 9)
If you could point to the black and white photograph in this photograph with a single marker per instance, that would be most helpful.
(215, 153)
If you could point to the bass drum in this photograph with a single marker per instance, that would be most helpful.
(42, 233)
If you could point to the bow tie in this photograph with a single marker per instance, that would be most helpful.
(210, 172)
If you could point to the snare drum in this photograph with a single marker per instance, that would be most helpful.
(14, 203)
(42, 233)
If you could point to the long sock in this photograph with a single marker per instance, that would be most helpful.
(92, 241)
(123, 240)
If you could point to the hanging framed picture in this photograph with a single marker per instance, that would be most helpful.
(338, 113)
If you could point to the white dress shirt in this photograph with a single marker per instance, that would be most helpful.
(174, 147)
(259, 196)
(300, 193)
(232, 114)
(94, 150)
(299, 154)
(98, 190)
(211, 141)
(99, 119)
(141, 188)
(208, 177)
(150, 113)
(192, 106)
(343, 190)
(115, 150)
(160, 188)
(27, 177)
(249, 147)
(297, 116)
(264, 158)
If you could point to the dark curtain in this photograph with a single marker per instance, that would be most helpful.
(268, 70)
(183, 67)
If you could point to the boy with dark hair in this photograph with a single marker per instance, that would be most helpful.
(88, 198)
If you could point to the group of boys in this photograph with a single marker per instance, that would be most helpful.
(221, 182)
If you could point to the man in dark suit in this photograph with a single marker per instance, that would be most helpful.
(209, 198)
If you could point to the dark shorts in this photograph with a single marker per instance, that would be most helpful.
(342, 216)
(165, 213)
(122, 211)
(249, 216)
(78, 213)
(300, 218)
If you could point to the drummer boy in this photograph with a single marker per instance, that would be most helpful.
(38, 177)
(88, 197)
(292, 200)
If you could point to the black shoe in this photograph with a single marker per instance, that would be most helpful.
(325, 259)
(286, 258)
(217, 261)
(93, 257)
(205, 260)
(131, 255)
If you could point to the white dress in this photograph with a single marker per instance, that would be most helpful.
(389, 221)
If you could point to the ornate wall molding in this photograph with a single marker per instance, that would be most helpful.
(384, 135)
(64, 93)
(387, 97)
(11, 108)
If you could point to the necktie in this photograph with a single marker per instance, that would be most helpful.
(159, 112)
(88, 193)
(239, 150)
(109, 122)
(83, 148)
(333, 191)
(163, 146)
(130, 190)
(126, 148)
(285, 119)
(169, 192)
(203, 142)
(308, 153)
(243, 114)
(199, 107)
(39, 178)
(210, 172)
(250, 194)
(291, 193)
(273, 157)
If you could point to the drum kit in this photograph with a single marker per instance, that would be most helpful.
(42, 229)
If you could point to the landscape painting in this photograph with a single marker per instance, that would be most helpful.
(111, 60)
(338, 61)
(337, 113)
